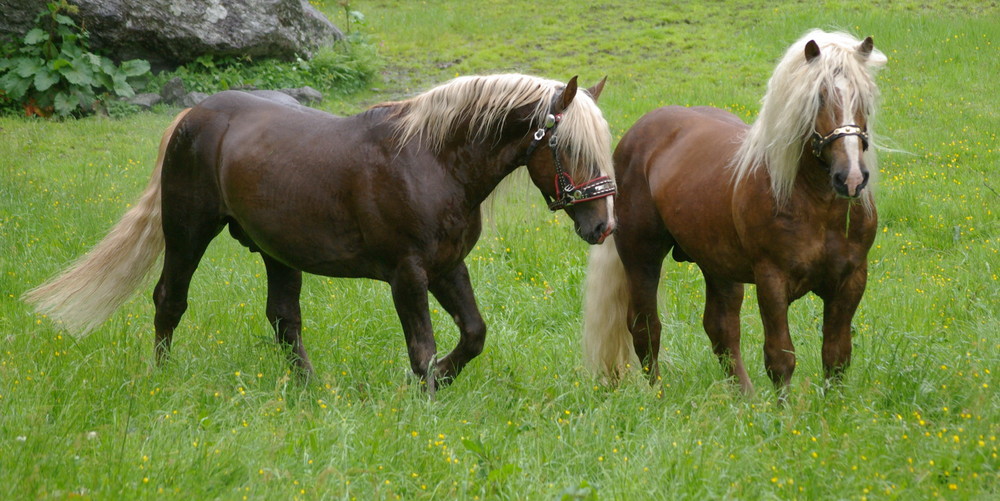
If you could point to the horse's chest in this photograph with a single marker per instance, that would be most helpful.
(821, 258)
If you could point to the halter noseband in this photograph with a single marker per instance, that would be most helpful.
(819, 142)
(567, 191)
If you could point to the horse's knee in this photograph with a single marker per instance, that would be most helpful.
(474, 339)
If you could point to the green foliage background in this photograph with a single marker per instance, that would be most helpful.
(53, 71)
(916, 417)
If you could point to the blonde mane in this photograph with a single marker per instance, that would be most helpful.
(486, 101)
(792, 101)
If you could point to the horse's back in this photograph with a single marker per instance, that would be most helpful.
(676, 130)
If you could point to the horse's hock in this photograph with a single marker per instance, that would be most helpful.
(168, 33)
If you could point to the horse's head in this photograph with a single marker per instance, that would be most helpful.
(817, 111)
(840, 135)
(569, 160)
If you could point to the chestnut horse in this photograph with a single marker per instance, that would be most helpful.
(781, 204)
(391, 194)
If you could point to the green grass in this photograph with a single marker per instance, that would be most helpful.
(916, 417)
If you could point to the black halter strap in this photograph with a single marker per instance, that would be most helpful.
(567, 191)
(819, 142)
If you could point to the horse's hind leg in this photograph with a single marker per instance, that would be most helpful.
(454, 292)
(723, 300)
(185, 241)
(284, 285)
(643, 257)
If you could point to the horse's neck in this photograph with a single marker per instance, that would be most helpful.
(813, 195)
(813, 180)
(481, 165)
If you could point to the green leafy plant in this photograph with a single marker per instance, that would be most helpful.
(351, 15)
(344, 68)
(54, 72)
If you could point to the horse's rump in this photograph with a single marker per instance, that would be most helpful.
(682, 157)
(296, 183)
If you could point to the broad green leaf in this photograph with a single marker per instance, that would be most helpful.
(72, 52)
(107, 65)
(59, 63)
(45, 78)
(103, 80)
(28, 66)
(14, 86)
(65, 103)
(121, 86)
(65, 20)
(77, 75)
(35, 36)
(501, 473)
(135, 67)
(476, 447)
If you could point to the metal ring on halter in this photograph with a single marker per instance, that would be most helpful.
(567, 191)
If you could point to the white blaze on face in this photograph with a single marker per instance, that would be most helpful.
(852, 146)
(611, 214)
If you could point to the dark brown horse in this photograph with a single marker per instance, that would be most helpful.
(391, 194)
(781, 204)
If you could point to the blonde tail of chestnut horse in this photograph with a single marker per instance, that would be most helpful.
(607, 342)
(88, 292)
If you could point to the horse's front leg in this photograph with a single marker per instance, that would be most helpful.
(838, 310)
(723, 300)
(773, 298)
(454, 291)
(409, 294)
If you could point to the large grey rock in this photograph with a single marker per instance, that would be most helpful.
(144, 101)
(17, 17)
(168, 33)
(191, 99)
(173, 90)
(305, 95)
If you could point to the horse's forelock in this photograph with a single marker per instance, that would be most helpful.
(789, 108)
(586, 137)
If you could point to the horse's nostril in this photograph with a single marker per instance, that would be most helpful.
(863, 183)
(840, 178)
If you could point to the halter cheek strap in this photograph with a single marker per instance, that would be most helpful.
(819, 142)
(568, 192)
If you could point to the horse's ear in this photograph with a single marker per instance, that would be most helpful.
(812, 51)
(595, 91)
(568, 93)
(865, 49)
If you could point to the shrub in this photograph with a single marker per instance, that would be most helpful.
(54, 72)
(341, 69)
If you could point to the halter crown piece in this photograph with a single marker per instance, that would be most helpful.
(819, 142)
(567, 191)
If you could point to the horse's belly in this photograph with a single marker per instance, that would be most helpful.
(704, 234)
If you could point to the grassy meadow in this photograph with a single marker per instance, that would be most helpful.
(917, 416)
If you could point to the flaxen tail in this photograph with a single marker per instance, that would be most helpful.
(87, 293)
(607, 342)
